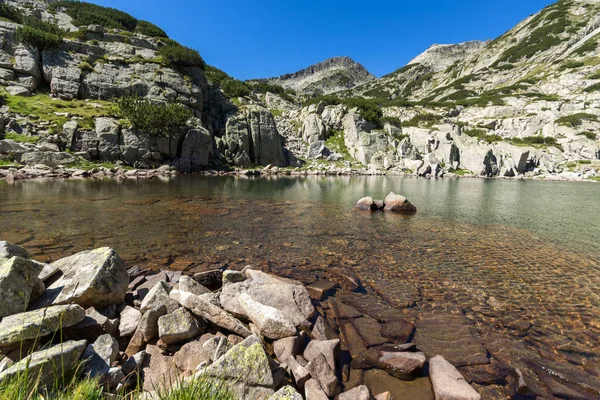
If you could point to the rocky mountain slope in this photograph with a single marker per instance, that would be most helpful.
(525, 104)
(329, 76)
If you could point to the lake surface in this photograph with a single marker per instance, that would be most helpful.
(521, 258)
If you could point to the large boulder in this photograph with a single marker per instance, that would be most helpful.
(108, 132)
(398, 203)
(271, 322)
(18, 279)
(195, 150)
(177, 327)
(246, 370)
(96, 278)
(290, 297)
(43, 364)
(99, 356)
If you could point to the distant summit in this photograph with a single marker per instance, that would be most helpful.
(331, 75)
(441, 56)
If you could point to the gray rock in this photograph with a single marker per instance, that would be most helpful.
(133, 363)
(448, 383)
(286, 393)
(99, 356)
(405, 366)
(298, 372)
(33, 324)
(8, 250)
(210, 312)
(366, 203)
(108, 132)
(66, 82)
(313, 391)
(288, 347)
(196, 148)
(328, 348)
(158, 295)
(231, 276)
(398, 203)
(160, 372)
(50, 159)
(187, 284)
(18, 279)
(192, 354)
(146, 330)
(130, 319)
(270, 321)
(26, 62)
(94, 325)
(43, 363)
(245, 367)
(320, 370)
(358, 393)
(288, 296)
(96, 278)
(177, 327)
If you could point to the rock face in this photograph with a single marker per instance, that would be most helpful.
(43, 363)
(18, 279)
(96, 278)
(252, 138)
(448, 383)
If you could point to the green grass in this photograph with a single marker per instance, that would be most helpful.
(277, 113)
(7, 163)
(536, 141)
(594, 76)
(337, 144)
(44, 107)
(482, 134)
(21, 138)
(424, 119)
(571, 65)
(576, 120)
(594, 178)
(198, 389)
(588, 47)
(589, 135)
(462, 172)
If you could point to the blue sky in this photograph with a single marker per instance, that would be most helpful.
(257, 39)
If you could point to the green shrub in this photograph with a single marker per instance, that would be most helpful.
(576, 120)
(234, 88)
(589, 135)
(154, 119)
(482, 135)
(593, 88)
(394, 121)
(36, 39)
(504, 67)
(595, 76)
(86, 67)
(571, 65)
(48, 27)
(587, 47)
(149, 29)
(179, 56)
(91, 14)
(264, 87)
(536, 140)
(79, 34)
(426, 119)
(11, 13)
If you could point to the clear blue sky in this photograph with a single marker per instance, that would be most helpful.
(264, 38)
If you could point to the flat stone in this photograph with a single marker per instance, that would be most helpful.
(451, 337)
(379, 382)
(384, 396)
(351, 340)
(187, 284)
(160, 371)
(159, 294)
(358, 393)
(405, 366)
(210, 312)
(129, 321)
(43, 363)
(320, 370)
(448, 383)
(18, 91)
(322, 331)
(178, 326)
(18, 279)
(96, 278)
(329, 349)
(271, 322)
(343, 311)
(313, 391)
(368, 328)
(321, 289)
(397, 331)
(286, 393)
(210, 279)
(192, 354)
(34, 324)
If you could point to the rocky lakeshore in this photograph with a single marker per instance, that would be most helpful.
(264, 336)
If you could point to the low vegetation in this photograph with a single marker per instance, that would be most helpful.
(587, 47)
(482, 134)
(264, 87)
(424, 119)
(230, 86)
(11, 13)
(91, 14)
(589, 135)
(20, 138)
(593, 88)
(576, 120)
(543, 141)
(178, 56)
(153, 118)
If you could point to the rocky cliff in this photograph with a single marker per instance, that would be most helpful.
(525, 104)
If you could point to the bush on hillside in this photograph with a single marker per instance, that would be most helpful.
(11, 13)
(39, 40)
(91, 14)
(179, 56)
(149, 29)
(234, 88)
(154, 119)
